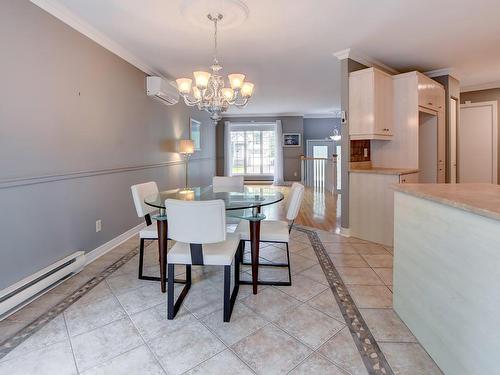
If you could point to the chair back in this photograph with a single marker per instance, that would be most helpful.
(228, 182)
(196, 222)
(141, 191)
(295, 201)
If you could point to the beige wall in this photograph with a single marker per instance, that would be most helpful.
(484, 96)
(76, 131)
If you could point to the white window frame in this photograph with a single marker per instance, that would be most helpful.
(251, 126)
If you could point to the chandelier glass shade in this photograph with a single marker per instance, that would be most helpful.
(209, 92)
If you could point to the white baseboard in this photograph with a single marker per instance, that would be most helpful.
(108, 246)
(346, 232)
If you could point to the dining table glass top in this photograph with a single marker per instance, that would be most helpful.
(248, 197)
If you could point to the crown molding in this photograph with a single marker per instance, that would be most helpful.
(247, 115)
(334, 114)
(370, 62)
(482, 86)
(62, 13)
(443, 72)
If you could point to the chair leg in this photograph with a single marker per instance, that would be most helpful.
(170, 293)
(289, 266)
(141, 264)
(172, 308)
(230, 297)
(141, 257)
(227, 287)
(271, 264)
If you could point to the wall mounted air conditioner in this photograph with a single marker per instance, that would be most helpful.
(160, 89)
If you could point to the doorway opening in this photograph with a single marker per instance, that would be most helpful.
(428, 147)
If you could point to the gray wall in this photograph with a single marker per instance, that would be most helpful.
(76, 131)
(484, 96)
(291, 155)
(319, 128)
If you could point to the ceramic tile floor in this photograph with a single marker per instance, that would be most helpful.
(120, 326)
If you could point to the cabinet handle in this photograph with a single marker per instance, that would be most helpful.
(429, 103)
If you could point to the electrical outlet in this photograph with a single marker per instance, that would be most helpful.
(295, 174)
(98, 225)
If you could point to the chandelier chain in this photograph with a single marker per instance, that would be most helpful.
(215, 41)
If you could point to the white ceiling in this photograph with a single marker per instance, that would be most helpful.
(285, 46)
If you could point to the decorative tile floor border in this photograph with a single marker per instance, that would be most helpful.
(20, 336)
(373, 358)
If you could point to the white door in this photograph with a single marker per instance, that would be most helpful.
(453, 140)
(477, 134)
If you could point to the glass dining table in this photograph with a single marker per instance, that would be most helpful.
(245, 204)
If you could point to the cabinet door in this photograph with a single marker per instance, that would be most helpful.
(370, 104)
(384, 98)
(441, 153)
(361, 102)
(430, 93)
(411, 178)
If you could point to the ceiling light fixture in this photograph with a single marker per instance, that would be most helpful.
(336, 135)
(209, 92)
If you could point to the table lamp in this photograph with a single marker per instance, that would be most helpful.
(185, 147)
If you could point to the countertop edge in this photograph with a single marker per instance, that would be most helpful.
(405, 188)
(389, 171)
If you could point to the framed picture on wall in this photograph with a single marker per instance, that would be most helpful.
(195, 133)
(292, 140)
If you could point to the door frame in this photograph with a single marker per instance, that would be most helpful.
(494, 105)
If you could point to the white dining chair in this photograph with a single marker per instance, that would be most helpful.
(277, 231)
(199, 229)
(228, 183)
(139, 193)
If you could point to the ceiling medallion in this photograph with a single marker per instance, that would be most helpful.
(209, 92)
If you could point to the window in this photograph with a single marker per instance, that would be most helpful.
(253, 148)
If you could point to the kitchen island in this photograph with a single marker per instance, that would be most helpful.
(447, 272)
(371, 201)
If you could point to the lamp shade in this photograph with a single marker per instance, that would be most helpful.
(185, 146)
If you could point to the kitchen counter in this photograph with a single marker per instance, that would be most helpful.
(375, 170)
(446, 272)
(480, 199)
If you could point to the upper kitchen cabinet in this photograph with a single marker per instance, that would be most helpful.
(371, 105)
(431, 94)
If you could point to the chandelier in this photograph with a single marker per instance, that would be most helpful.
(209, 92)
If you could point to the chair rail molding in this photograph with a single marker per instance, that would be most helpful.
(31, 180)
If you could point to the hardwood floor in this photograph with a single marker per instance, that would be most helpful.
(320, 209)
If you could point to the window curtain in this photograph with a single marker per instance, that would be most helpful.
(278, 161)
(227, 149)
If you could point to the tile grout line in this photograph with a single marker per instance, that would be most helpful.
(70, 344)
(38, 323)
(138, 332)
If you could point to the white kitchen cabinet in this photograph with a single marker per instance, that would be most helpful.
(431, 94)
(370, 105)
(410, 178)
(371, 203)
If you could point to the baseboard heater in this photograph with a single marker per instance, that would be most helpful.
(23, 292)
